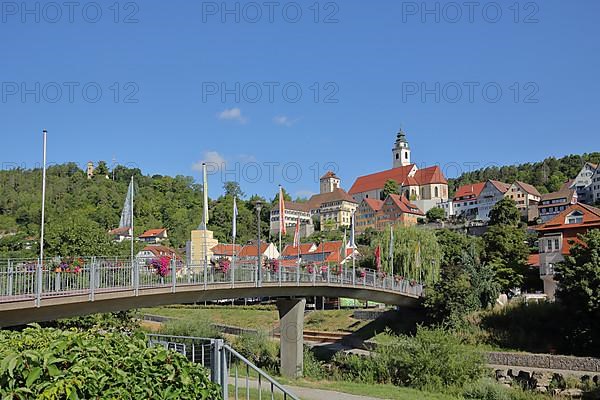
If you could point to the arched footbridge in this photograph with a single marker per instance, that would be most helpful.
(30, 292)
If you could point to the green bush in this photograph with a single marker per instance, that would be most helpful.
(433, 359)
(53, 364)
(123, 321)
(260, 350)
(194, 328)
(487, 389)
(313, 368)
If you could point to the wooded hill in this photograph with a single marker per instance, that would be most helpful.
(547, 175)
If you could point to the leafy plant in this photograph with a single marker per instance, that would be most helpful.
(52, 364)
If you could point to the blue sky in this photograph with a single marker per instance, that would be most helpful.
(364, 69)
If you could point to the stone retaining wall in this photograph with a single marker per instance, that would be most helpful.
(545, 361)
(367, 315)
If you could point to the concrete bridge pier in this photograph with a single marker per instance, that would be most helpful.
(291, 316)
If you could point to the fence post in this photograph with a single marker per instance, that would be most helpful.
(93, 279)
(10, 279)
(38, 288)
(215, 360)
(224, 372)
(136, 277)
(173, 275)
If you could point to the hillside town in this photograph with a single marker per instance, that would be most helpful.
(403, 195)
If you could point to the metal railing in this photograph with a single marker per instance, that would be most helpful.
(237, 376)
(22, 280)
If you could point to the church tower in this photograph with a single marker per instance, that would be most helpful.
(329, 182)
(401, 150)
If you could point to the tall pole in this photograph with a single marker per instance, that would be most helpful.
(41, 263)
(205, 220)
(392, 253)
(258, 255)
(45, 136)
(132, 234)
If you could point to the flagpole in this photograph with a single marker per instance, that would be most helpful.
(205, 220)
(41, 263)
(392, 253)
(132, 234)
(234, 234)
(352, 245)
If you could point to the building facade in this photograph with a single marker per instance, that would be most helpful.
(583, 183)
(526, 197)
(492, 192)
(397, 209)
(292, 213)
(367, 214)
(558, 234)
(554, 203)
(595, 187)
(425, 188)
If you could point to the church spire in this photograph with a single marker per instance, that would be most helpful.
(401, 150)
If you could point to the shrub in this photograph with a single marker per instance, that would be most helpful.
(487, 389)
(123, 321)
(52, 364)
(259, 349)
(313, 368)
(433, 359)
(193, 328)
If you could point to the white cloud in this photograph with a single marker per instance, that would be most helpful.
(284, 120)
(213, 160)
(232, 114)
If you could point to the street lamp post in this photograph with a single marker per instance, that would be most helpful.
(258, 205)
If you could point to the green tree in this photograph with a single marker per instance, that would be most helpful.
(506, 251)
(578, 279)
(233, 189)
(390, 187)
(505, 212)
(101, 170)
(435, 214)
(77, 236)
(464, 287)
(454, 244)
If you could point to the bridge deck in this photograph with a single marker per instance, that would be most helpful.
(29, 293)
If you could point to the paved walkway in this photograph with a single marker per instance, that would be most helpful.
(308, 393)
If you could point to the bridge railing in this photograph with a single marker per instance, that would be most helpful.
(28, 279)
(233, 372)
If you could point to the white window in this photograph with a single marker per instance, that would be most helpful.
(576, 217)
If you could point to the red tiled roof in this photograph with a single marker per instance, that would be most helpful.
(430, 175)
(374, 204)
(329, 247)
(226, 249)
(591, 218)
(337, 195)
(250, 250)
(400, 175)
(159, 251)
(529, 188)
(377, 180)
(563, 193)
(471, 190)
(152, 233)
(329, 174)
(290, 250)
(336, 256)
(404, 205)
(120, 231)
(501, 186)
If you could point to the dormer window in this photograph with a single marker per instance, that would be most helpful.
(576, 217)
